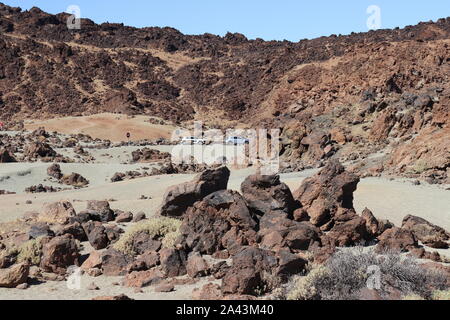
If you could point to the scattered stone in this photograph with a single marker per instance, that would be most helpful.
(165, 287)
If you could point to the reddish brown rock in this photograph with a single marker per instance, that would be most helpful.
(101, 209)
(426, 232)
(75, 180)
(124, 217)
(178, 198)
(139, 279)
(114, 263)
(209, 291)
(330, 189)
(206, 223)
(396, 239)
(196, 266)
(14, 276)
(59, 254)
(173, 262)
(264, 194)
(57, 213)
(246, 274)
(55, 171)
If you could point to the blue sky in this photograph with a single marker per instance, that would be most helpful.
(268, 19)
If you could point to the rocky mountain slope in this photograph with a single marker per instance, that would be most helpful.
(383, 92)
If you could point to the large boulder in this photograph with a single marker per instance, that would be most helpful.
(173, 262)
(396, 239)
(114, 262)
(221, 221)
(426, 232)
(248, 271)
(57, 213)
(15, 275)
(100, 209)
(59, 254)
(196, 266)
(330, 189)
(178, 198)
(265, 193)
(348, 229)
(276, 231)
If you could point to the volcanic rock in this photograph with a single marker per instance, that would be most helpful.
(178, 198)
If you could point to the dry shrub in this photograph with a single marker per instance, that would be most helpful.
(162, 228)
(441, 295)
(347, 272)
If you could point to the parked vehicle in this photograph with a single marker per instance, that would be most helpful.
(192, 140)
(236, 141)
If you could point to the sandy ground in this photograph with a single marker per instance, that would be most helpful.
(388, 199)
(105, 126)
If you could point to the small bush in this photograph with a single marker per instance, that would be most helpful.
(349, 271)
(162, 228)
(303, 288)
(441, 295)
(30, 251)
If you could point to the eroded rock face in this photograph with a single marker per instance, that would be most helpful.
(59, 254)
(14, 276)
(426, 232)
(221, 220)
(178, 198)
(330, 189)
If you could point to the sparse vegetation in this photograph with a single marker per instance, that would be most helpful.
(441, 295)
(162, 228)
(349, 271)
(30, 251)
